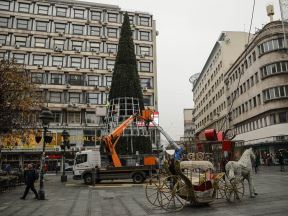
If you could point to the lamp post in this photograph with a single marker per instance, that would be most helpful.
(65, 143)
(46, 117)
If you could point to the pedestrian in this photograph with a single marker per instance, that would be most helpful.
(257, 162)
(281, 161)
(30, 176)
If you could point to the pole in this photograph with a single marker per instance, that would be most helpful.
(41, 191)
(281, 4)
(64, 177)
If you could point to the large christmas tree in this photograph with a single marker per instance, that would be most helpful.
(126, 83)
(125, 80)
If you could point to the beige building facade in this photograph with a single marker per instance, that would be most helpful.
(256, 87)
(70, 49)
(209, 89)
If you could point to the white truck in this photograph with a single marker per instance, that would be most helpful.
(86, 161)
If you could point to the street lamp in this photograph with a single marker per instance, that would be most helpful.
(65, 144)
(46, 117)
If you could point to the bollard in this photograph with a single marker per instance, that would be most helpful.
(93, 176)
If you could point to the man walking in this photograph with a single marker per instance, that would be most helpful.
(30, 176)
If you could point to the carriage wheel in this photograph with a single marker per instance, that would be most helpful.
(152, 192)
(221, 188)
(172, 189)
(234, 190)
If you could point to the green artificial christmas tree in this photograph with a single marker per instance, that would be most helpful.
(125, 80)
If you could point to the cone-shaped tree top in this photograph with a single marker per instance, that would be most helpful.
(125, 80)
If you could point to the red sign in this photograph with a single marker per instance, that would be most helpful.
(54, 156)
(226, 145)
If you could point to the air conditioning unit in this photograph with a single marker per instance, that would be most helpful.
(17, 46)
(142, 55)
(104, 23)
(39, 66)
(74, 105)
(96, 88)
(103, 38)
(107, 88)
(68, 85)
(110, 70)
(77, 68)
(58, 49)
(60, 34)
(114, 53)
(59, 67)
(94, 50)
(145, 89)
(88, 104)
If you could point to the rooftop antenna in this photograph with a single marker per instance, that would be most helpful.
(270, 11)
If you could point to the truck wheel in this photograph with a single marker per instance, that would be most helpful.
(138, 178)
(88, 178)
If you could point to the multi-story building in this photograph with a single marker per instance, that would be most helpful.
(209, 88)
(189, 129)
(70, 49)
(257, 91)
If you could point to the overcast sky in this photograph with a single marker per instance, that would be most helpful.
(188, 31)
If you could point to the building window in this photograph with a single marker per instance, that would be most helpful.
(112, 48)
(76, 80)
(145, 51)
(94, 30)
(275, 68)
(145, 66)
(40, 42)
(112, 32)
(94, 46)
(59, 44)
(78, 14)
(76, 62)
(147, 100)
(131, 19)
(145, 36)
(283, 117)
(108, 81)
(144, 21)
(56, 79)
(78, 29)
(110, 64)
(57, 61)
(3, 39)
(91, 118)
(37, 78)
(4, 5)
(23, 7)
(22, 24)
(20, 58)
(77, 45)
(146, 83)
(94, 63)
(42, 26)
(95, 15)
(74, 118)
(275, 93)
(112, 17)
(4, 22)
(43, 9)
(93, 80)
(61, 11)
(57, 117)
(93, 98)
(55, 97)
(20, 41)
(60, 27)
(74, 97)
(38, 59)
(271, 45)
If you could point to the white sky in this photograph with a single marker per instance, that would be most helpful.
(188, 31)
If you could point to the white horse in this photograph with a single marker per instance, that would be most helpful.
(242, 168)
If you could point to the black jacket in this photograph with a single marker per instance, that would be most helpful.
(30, 176)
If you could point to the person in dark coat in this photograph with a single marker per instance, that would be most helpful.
(257, 162)
(30, 176)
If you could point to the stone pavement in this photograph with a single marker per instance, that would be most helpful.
(76, 199)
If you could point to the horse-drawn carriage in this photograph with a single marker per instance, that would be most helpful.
(195, 182)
